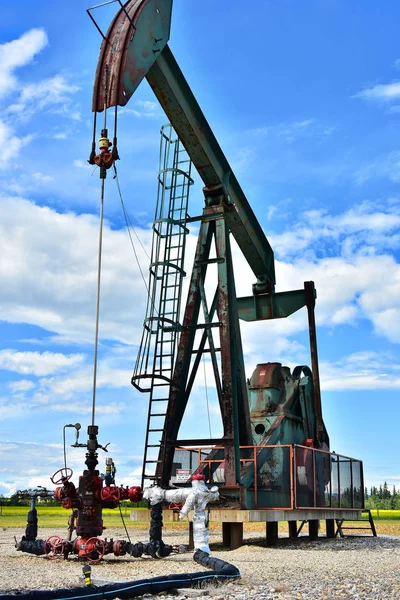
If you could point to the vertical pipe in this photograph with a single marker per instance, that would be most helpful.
(310, 294)
(295, 476)
(351, 484)
(291, 461)
(362, 484)
(314, 479)
(255, 477)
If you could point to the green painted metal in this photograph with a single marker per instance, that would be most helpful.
(282, 411)
(230, 385)
(233, 371)
(271, 306)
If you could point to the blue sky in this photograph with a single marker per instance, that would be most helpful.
(305, 101)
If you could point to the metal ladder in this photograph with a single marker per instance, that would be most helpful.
(156, 357)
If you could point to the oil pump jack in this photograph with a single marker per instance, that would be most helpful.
(135, 47)
(274, 452)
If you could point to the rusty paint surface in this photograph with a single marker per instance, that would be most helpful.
(131, 47)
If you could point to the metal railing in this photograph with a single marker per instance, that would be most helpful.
(281, 477)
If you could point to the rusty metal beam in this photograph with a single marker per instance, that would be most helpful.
(138, 33)
(310, 295)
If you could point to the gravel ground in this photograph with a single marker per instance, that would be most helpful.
(358, 568)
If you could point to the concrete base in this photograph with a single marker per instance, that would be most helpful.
(232, 521)
(260, 516)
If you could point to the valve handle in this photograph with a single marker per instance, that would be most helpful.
(110, 494)
(56, 549)
(66, 474)
(175, 506)
(97, 545)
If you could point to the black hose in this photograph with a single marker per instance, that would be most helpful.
(31, 529)
(32, 546)
(156, 547)
(222, 572)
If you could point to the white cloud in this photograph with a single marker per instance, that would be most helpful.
(394, 109)
(145, 109)
(292, 131)
(37, 363)
(48, 268)
(387, 167)
(46, 94)
(18, 53)
(11, 144)
(381, 92)
(81, 408)
(23, 385)
(362, 226)
(81, 164)
(345, 314)
(42, 177)
(365, 370)
(48, 458)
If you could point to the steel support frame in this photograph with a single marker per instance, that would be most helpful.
(231, 384)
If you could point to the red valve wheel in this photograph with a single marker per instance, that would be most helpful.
(56, 549)
(66, 474)
(111, 494)
(175, 505)
(95, 545)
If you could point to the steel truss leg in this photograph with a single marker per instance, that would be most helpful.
(231, 387)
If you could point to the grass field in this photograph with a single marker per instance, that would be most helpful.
(386, 521)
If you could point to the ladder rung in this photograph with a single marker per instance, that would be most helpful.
(152, 461)
(154, 430)
(158, 414)
(149, 477)
(153, 445)
(159, 399)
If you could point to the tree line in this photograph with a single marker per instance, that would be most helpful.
(382, 498)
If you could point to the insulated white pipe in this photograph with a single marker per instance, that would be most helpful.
(195, 498)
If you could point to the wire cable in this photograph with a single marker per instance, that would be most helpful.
(126, 214)
(123, 521)
(65, 449)
(96, 337)
(128, 226)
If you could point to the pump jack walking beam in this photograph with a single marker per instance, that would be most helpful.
(131, 57)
